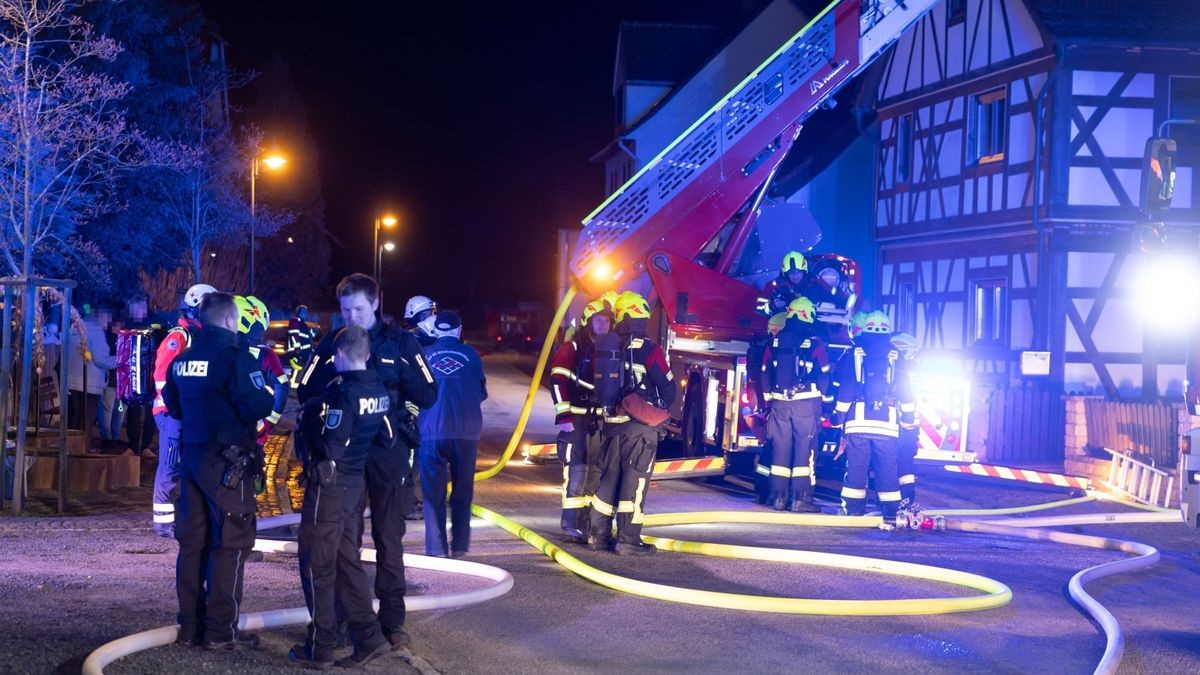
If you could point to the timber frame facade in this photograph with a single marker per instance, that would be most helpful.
(1007, 180)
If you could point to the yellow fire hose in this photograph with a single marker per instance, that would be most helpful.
(996, 594)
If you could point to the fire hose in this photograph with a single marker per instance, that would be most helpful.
(996, 594)
(501, 583)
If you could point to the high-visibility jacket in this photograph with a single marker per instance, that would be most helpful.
(177, 339)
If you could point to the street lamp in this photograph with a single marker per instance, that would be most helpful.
(386, 220)
(389, 247)
(274, 162)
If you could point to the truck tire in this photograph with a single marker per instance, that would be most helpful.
(692, 425)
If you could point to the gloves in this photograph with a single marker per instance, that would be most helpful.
(763, 306)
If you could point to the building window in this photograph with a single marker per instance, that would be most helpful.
(989, 312)
(906, 308)
(956, 11)
(986, 127)
(1185, 104)
(904, 148)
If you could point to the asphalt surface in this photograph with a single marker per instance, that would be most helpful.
(67, 585)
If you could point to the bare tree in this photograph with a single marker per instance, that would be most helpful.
(205, 193)
(63, 138)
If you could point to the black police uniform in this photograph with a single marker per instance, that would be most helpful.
(396, 357)
(346, 421)
(216, 389)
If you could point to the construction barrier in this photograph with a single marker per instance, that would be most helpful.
(1021, 475)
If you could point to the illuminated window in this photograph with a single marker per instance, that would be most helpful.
(904, 149)
(989, 313)
(956, 11)
(986, 127)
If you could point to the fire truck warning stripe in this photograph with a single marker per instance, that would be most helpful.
(672, 466)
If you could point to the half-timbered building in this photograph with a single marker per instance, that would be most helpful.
(1007, 185)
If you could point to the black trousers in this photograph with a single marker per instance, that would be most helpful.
(867, 454)
(443, 461)
(906, 463)
(331, 571)
(390, 497)
(626, 460)
(139, 426)
(215, 527)
(579, 451)
(790, 426)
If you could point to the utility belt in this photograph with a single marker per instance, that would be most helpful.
(243, 463)
(796, 393)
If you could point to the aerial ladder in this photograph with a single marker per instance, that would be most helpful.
(713, 175)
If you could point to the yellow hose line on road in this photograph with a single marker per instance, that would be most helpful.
(1010, 510)
(534, 384)
(997, 594)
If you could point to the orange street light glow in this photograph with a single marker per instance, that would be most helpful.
(274, 161)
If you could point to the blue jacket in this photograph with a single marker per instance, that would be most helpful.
(462, 388)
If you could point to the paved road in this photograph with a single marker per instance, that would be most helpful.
(554, 621)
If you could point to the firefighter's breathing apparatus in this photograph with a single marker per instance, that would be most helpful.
(996, 594)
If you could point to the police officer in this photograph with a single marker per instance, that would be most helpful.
(906, 443)
(874, 399)
(300, 340)
(631, 433)
(346, 420)
(795, 376)
(450, 432)
(396, 356)
(417, 313)
(216, 390)
(578, 415)
(166, 475)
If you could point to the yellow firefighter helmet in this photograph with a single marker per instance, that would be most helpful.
(801, 308)
(631, 305)
(794, 260)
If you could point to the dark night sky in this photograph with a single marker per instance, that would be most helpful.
(466, 117)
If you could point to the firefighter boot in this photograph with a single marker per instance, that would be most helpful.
(638, 549)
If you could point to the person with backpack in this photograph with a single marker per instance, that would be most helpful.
(795, 376)
(166, 476)
(631, 433)
(579, 415)
(873, 401)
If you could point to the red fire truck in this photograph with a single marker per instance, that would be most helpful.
(691, 224)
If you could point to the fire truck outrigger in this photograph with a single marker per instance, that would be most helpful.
(689, 222)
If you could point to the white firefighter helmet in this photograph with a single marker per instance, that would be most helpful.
(191, 299)
(417, 304)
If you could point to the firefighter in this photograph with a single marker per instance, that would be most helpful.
(906, 443)
(299, 342)
(572, 387)
(396, 356)
(873, 401)
(166, 475)
(215, 389)
(762, 483)
(416, 311)
(631, 433)
(350, 419)
(795, 376)
(781, 290)
(252, 323)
